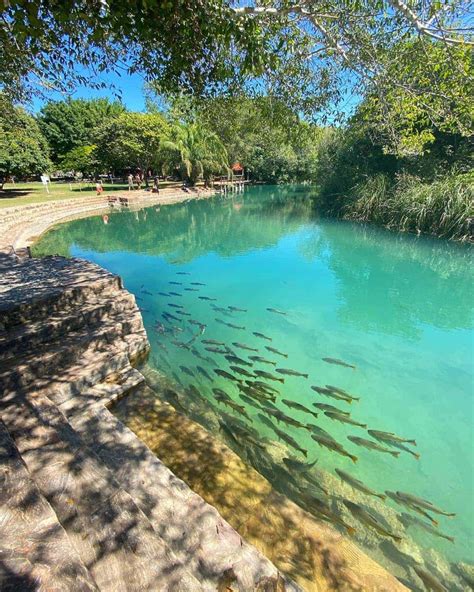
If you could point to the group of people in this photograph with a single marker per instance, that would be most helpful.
(134, 182)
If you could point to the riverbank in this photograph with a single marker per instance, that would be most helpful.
(20, 226)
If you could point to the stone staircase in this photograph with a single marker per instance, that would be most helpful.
(85, 505)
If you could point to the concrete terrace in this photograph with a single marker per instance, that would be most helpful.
(85, 505)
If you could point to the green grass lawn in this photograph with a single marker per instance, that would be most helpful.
(27, 193)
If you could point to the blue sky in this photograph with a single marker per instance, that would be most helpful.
(129, 85)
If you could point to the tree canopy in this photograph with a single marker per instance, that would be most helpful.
(74, 122)
(311, 55)
(23, 149)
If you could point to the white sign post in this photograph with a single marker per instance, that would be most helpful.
(45, 180)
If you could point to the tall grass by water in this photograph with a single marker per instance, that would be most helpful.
(443, 208)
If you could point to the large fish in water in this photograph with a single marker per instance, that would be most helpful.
(344, 419)
(268, 376)
(237, 360)
(298, 407)
(429, 581)
(370, 445)
(326, 407)
(244, 346)
(276, 311)
(403, 502)
(423, 503)
(290, 441)
(357, 484)
(390, 437)
(275, 351)
(333, 394)
(289, 372)
(369, 519)
(333, 445)
(261, 360)
(408, 520)
(320, 508)
(338, 363)
(261, 335)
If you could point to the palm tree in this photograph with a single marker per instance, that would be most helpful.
(197, 151)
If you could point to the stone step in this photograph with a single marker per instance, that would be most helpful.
(35, 551)
(113, 537)
(95, 310)
(53, 358)
(25, 298)
(193, 529)
(115, 387)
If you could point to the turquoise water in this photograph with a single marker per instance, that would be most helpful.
(397, 307)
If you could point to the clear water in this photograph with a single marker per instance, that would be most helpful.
(398, 307)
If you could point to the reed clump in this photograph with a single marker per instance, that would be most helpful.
(444, 208)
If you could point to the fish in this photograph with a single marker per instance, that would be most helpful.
(202, 371)
(220, 393)
(403, 502)
(249, 401)
(216, 350)
(268, 376)
(181, 344)
(212, 342)
(167, 316)
(236, 309)
(429, 581)
(333, 445)
(290, 441)
(276, 311)
(261, 336)
(236, 360)
(191, 289)
(176, 283)
(344, 419)
(207, 298)
(280, 416)
(183, 313)
(320, 432)
(243, 371)
(423, 503)
(338, 362)
(164, 293)
(197, 353)
(183, 273)
(266, 421)
(408, 520)
(275, 351)
(231, 325)
(187, 371)
(214, 307)
(138, 298)
(322, 510)
(197, 284)
(356, 484)
(404, 448)
(298, 407)
(239, 408)
(146, 292)
(225, 374)
(175, 294)
(261, 360)
(326, 407)
(193, 391)
(256, 394)
(333, 394)
(143, 309)
(369, 519)
(390, 437)
(244, 346)
(289, 372)
(197, 323)
(339, 390)
(295, 465)
(370, 445)
(263, 385)
(223, 427)
(173, 305)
